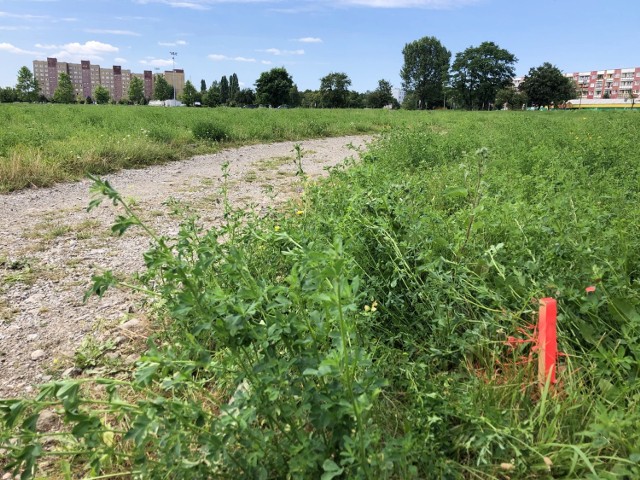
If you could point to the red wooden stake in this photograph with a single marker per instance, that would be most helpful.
(547, 341)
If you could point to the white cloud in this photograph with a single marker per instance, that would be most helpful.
(157, 62)
(73, 52)
(173, 44)
(7, 47)
(221, 58)
(278, 52)
(433, 4)
(120, 60)
(197, 4)
(113, 32)
(309, 40)
(22, 16)
(189, 5)
(14, 28)
(266, 62)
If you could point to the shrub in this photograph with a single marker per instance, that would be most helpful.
(209, 131)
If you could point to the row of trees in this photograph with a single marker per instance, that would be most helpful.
(472, 81)
(479, 77)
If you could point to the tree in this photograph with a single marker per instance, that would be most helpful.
(334, 89)
(203, 86)
(356, 99)
(273, 87)
(189, 94)
(161, 89)
(27, 86)
(294, 96)
(479, 72)
(245, 97)
(102, 95)
(381, 96)
(311, 99)
(212, 97)
(64, 92)
(234, 87)
(224, 90)
(136, 91)
(425, 70)
(8, 95)
(511, 98)
(546, 84)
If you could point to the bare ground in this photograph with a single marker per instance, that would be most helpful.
(50, 246)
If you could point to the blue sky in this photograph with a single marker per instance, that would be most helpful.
(362, 38)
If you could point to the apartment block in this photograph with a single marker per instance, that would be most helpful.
(85, 77)
(175, 78)
(616, 83)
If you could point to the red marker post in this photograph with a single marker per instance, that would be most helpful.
(547, 342)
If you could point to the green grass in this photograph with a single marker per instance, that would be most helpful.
(364, 333)
(44, 144)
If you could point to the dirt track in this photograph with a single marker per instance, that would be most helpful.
(51, 246)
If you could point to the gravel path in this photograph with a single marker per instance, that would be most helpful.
(51, 246)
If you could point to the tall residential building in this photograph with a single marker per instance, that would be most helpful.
(85, 77)
(614, 83)
(175, 78)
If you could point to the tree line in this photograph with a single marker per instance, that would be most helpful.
(480, 77)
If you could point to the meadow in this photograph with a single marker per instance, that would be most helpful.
(381, 327)
(44, 144)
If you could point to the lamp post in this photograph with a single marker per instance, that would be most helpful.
(173, 77)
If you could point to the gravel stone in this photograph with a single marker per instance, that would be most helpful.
(37, 354)
(51, 305)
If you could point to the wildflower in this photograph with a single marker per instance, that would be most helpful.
(300, 212)
(277, 228)
(590, 289)
(371, 308)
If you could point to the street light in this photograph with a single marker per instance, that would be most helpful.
(173, 77)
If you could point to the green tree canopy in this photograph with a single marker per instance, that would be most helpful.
(425, 70)
(161, 89)
(101, 95)
(234, 87)
(189, 94)
(224, 90)
(546, 84)
(246, 96)
(27, 86)
(511, 98)
(203, 86)
(8, 95)
(479, 72)
(273, 87)
(136, 91)
(381, 96)
(334, 89)
(212, 97)
(64, 92)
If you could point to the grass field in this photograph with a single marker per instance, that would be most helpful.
(380, 329)
(44, 144)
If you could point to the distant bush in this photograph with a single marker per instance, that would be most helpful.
(209, 131)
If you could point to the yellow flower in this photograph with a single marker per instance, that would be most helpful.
(367, 308)
(277, 228)
(299, 212)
